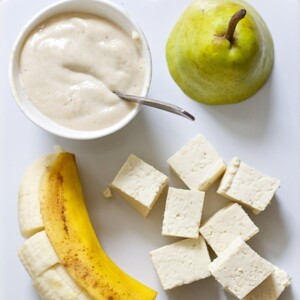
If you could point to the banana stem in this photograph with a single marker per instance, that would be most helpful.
(232, 24)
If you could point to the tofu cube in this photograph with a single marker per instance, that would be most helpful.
(197, 164)
(272, 287)
(242, 183)
(183, 213)
(239, 269)
(226, 225)
(140, 184)
(182, 262)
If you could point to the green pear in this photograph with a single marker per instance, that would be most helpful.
(220, 51)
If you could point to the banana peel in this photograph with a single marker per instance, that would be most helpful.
(67, 225)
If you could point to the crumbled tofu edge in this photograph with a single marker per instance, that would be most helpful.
(107, 193)
(228, 176)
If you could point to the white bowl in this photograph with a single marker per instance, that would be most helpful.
(101, 8)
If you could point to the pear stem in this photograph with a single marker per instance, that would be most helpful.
(238, 16)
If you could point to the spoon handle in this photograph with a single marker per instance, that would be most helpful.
(157, 104)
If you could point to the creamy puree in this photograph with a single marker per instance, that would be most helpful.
(71, 63)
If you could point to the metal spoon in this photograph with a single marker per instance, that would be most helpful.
(157, 104)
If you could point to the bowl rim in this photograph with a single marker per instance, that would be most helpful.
(31, 111)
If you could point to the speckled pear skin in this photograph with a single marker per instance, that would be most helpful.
(206, 66)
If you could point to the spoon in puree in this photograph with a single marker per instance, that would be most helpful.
(157, 104)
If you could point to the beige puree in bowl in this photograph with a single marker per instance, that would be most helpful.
(71, 63)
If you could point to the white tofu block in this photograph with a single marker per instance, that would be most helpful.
(140, 184)
(239, 269)
(249, 187)
(182, 262)
(226, 225)
(183, 212)
(272, 287)
(197, 164)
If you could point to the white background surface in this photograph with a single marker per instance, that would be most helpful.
(263, 131)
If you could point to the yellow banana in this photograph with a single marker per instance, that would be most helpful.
(62, 254)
